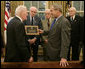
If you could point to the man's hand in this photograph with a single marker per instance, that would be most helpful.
(41, 31)
(32, 41)
(63, 62)
(31, 59)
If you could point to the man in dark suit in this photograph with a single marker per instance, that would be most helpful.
(17, 48)
(34, 20)
(75, 22)
(58, 37)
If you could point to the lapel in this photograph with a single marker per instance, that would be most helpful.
(50, 22)
(45, 26)
(34, 21)
(28, 20)
(57, 22)
(75, 19)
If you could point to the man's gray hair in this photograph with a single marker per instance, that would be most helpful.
(72, 8)
(19, 9)
(57, 7)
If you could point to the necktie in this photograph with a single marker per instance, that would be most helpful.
(32, 20)
(71, 18)
(53, 23)
(48, 23)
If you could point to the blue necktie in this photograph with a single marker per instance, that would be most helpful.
(53, 23)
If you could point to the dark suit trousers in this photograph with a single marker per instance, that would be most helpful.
(34, 48)
(75, 47)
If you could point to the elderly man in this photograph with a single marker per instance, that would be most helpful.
(58, 37)
(17, 49)
(46, 26)
(47, 22)
(34, 40)
(75, 21)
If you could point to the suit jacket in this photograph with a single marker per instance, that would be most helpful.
(75, 28)
(36, 22)
(45, 27)
(82, 30)
(17, 49)
(59, 40)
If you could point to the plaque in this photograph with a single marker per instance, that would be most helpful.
(31, 30)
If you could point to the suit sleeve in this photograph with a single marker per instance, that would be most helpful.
(20, 40)
(25, 23)
(81, 29)
(65, 38)
(40, 27)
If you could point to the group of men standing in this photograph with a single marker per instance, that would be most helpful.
(58, 34)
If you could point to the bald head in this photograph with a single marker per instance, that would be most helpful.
(21, 11)
(72, 8)
(72, 11)
(33, 11)
(33, 8)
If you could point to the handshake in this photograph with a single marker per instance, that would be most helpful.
(41, 31)
(32, 41)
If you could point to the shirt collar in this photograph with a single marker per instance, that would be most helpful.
(73, 17)
(19, 18)
(58, 17)
(31, 18)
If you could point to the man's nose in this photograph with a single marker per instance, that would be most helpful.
(27, 14)
(33, 13)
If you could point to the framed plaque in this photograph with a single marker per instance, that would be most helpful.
(31, 30)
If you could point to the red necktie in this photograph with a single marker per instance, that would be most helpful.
(48, 23)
